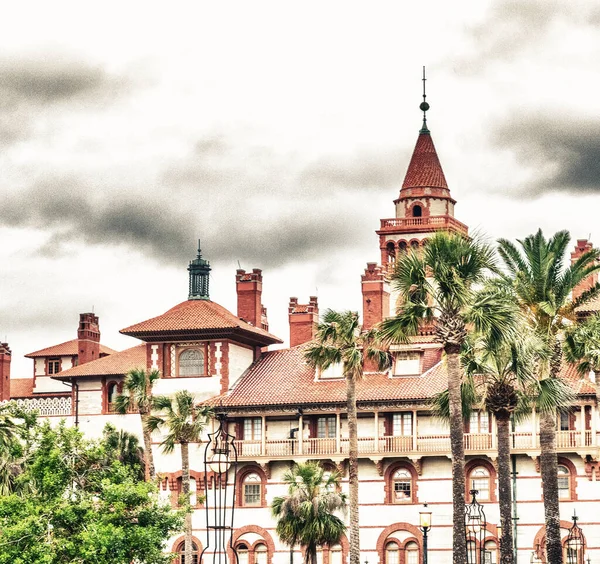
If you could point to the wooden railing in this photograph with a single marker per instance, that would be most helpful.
(420, 444)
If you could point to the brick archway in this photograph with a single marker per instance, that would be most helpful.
(178, 542)
(540, 538)
(266, 537)
(381, 540)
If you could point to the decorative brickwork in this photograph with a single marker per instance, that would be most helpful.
(266, 539)
(88, 337)
(243, 473)
(385, 534)
(376, 296)
(5, 357)
(303, 320)
(388, 483)
(249, 295)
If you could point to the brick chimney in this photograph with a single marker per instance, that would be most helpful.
(303, 320)
(376, 295)
(583, 245)
(5, 356)
(249, 295)
(88, 336)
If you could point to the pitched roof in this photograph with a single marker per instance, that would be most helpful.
(115, 364)
(592, 306)
(202, 318)
(69, 348)
(580, 384)
(21, 388)
(283, 377)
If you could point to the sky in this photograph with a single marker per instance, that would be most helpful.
(279, 134)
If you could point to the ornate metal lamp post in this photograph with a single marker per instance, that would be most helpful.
(575, 543)
(220, 476)
(425, 526)
(475, 526)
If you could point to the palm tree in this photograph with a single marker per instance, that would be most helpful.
(437, 286)
(543, 285)
(137, 394)
(582, 345)
(184, 423)
(124, 447)
(306, 516)
(339, 341)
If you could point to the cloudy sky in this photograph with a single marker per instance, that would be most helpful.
(277, 132)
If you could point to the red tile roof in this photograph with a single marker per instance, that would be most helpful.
(201, 318)
(283, 377)
(21, 388)
(424, 169)
(70, 348)
(115, 364)
(580, 384)
(592, 306)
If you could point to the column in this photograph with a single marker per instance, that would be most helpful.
(533, 428)
(263, 436)
(594, 425)
(338, 433)
(300, 434)
(494, 436)
(376, 430)
(414, 430)
(582, 425)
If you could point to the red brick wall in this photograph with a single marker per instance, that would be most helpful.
(581, 247)
(376, 297)
(249, 295)
(5, 357)
(303, 320)
(88, 335)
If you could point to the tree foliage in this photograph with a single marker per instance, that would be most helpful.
(74, 501)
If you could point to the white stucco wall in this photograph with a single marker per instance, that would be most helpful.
(240, 358)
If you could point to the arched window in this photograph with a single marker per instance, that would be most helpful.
(402, 246)
(417, 211)
(335, 554)
(479, 480)
(490, 554)
(112, 391)
(260, 554)
(391, 252)
(391, 553)
(252, 490)
(402, 486)
(411, 553)
(414, 245)
(181, 553)
(564, 482)
(242, 551)
(191, 363)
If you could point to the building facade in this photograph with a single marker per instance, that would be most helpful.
(282, 411)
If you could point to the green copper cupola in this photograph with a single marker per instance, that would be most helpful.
(199, 270)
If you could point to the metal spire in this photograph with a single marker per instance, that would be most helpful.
(424, 106)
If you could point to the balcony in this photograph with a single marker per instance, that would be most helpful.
(416, 224)
(417, 445)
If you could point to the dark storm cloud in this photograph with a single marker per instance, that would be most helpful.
(565, 153)
(512, 26)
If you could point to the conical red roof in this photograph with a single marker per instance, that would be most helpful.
(424, 170)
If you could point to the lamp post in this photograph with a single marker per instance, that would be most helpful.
(475, 526)
(575, 543)
(220, 464)
(425, 526)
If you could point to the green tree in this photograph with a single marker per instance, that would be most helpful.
(306, 516)
(184, 423)
(137, 394)
(339, 340)
(542, 285)
(75, 503)
(582, 345)
(125, 447)
(437, 286)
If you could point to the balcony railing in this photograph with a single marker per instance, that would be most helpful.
(402, 445)
(435, 221)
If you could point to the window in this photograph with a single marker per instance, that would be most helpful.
(260, 554)
(335, 370)
(417, 211)
(402, 484)
(391, 553)
(411, 551)
(112, 391)
(565, 421)
(242, 550)
(479, 422)
(414, 245)
(402, 246)
(191, 363)
(407, 363)
(53, 365)
(335, 554)
(402, 424)
(564, 482)
(181, 552)
(391, 252)
(252, 486)
(490, 553)
(253, 429)
(480, 481)
(326, 427)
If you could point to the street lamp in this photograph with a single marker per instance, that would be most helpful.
(475, 526)
(575, 543)
(535, 555)
(220, 463)
(425, 526)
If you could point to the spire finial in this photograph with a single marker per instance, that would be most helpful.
(199, 250)
(424, 105)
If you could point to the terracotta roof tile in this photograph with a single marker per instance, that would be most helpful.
(21, 388)
(580, 384)
(197, 316)
(590, 307)
(70, 348)
(424, 169)
(283, 377)
(115, 364)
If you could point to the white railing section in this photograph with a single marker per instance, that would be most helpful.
(46, 407)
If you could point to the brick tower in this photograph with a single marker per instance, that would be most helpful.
(88, 337)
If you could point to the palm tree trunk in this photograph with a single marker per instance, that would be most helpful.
(549, 470)
(459, 544)
(353, 468)
(310, 556)
(149, 471)
(185, 489)
(504, 488)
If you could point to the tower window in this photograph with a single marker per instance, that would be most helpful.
(417, 211)
(191, 363)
